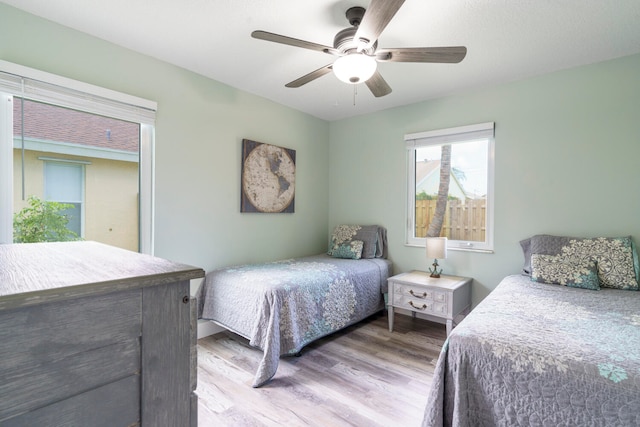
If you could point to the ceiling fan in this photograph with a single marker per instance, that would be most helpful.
(357, 50)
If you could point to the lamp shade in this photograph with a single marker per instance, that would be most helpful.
(436, 247)
(354, 68)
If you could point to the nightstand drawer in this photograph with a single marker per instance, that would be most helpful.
(414, 304)
(440, 308)
(421, 306)
(420, 293)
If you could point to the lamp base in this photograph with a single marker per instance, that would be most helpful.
(434, 271)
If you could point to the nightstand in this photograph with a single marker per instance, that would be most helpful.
(440, 300)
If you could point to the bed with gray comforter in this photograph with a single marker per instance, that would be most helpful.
(539, 354)
(284, 305)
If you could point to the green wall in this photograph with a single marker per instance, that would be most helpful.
(567, 162)
(199, 130)
(567, 150)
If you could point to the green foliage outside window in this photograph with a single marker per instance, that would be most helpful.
(42, 221)
(424, 196)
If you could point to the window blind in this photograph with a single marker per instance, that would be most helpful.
(450, 136)
(41, 86)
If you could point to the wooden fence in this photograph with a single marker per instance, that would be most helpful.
(464, 219)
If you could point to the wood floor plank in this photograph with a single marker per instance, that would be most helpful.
(361, 376)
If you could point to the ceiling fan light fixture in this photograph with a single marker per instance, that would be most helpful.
(354, 68)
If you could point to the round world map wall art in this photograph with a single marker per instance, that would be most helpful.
(268, 178)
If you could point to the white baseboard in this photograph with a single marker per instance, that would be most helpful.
(206, 328)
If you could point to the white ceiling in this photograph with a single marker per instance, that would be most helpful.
(506, 40)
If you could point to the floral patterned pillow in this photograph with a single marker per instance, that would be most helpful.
(368, 234)
(350, 250)
(558, 270)
(616, 257)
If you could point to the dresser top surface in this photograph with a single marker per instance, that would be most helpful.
(35, 273)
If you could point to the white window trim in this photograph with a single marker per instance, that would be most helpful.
(18, 80)
(56, 159)
(6, 168)
(442, 136)
(146, 169)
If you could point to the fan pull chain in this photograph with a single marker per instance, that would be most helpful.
(355, 92)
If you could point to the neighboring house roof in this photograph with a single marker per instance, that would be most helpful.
(53, 123)
(426, 168)
(428, 180)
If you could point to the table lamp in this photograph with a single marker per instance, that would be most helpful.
(436, 248)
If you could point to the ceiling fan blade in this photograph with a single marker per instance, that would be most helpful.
(376, 18)
(311, 76)
(452, 54)
(277, 38)
(377, 85)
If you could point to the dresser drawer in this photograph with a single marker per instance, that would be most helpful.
(419, 293)
(53, 352)
(114, 404)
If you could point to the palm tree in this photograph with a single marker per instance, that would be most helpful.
(435, 227)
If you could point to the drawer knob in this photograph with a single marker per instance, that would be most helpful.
(415, 306)
(185, 299)
(424, 294)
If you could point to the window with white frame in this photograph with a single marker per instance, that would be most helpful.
(88, 147)
(450, 186)
(64, 183)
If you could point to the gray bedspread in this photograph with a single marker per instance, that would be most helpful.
(534, 354)
(283, 306)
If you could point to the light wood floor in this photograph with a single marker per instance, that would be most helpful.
(362, 376)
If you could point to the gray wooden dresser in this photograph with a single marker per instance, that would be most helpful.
(92, 335)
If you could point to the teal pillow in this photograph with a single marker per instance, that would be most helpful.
(571, 272)
(350, 250)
